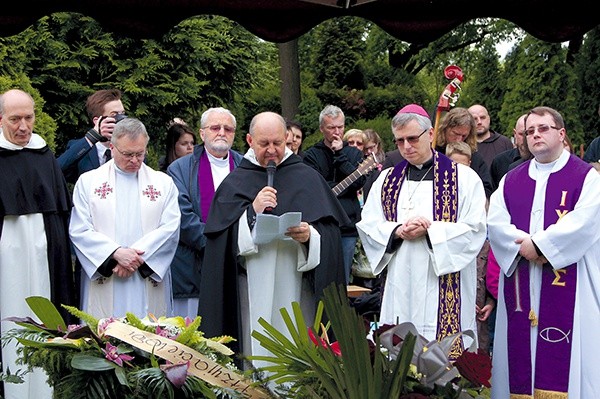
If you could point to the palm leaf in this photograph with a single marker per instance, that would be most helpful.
(47, 344)
(91, 363)
(46, 312)
(315, 371)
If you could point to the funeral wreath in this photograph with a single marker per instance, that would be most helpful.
(127, 357)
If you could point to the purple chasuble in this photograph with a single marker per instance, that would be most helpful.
(445, 208)
(206, 184)
(557, 295)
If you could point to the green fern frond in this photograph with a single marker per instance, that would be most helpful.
(223, 339)
(87, 318)
(136, 321)
(188, 333)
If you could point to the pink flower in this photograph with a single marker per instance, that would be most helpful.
(112, 353)
(335, 347)
(103, 324)
(176, 373)
(167, 332)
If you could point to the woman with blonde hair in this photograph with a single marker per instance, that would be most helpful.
(459, 125)
(355, 138)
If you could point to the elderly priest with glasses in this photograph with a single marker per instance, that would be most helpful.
(125, 228)
(424, 222)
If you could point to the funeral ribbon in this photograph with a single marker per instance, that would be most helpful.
(176, 353)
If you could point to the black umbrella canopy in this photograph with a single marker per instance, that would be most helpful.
(414, 21)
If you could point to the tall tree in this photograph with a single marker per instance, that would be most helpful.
(338, 48)
(485, 85)
(538, 75)
(588, 85)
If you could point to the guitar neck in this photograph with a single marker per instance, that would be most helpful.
(348, 180)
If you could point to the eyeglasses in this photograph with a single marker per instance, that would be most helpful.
(217, 128)
(410, 139)
(541, 128)
(131, 155)
(352, 142)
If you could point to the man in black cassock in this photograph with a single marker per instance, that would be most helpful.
(35, 256)
(242, 281)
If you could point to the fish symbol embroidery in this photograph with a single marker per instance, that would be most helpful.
(553, 334)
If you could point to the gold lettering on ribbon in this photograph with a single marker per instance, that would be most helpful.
(563, 198)
(200, 366)
(557, 280)
(561, 213)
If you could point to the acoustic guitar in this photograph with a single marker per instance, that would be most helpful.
(365, 167)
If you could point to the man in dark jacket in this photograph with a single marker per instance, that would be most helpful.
(104, 108)
(489, 143)
(335, 160)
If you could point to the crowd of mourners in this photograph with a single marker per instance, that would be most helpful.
(459, 228)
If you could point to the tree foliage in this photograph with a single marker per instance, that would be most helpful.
(484, 84)
(202, 62)
(539, 75)
(212, 61)
(588, 85)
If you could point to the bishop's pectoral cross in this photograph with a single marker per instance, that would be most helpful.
(407, 208)
(407, 205)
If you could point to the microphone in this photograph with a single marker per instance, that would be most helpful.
(270, 174)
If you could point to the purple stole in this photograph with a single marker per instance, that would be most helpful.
(445, 208)
(206, 184)
(558, 288)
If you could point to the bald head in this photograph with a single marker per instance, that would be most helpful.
(482, 121)
(17, 116)
(267, 137)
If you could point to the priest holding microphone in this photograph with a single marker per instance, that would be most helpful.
(242, 281)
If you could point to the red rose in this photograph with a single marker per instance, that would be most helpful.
(475, 367)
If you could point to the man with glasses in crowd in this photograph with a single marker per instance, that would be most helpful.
(334, 159)
(544, 232)
(125, 228)
(197, 177)
(424, 222)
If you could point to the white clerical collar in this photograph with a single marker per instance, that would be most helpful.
(35, 142)
(220, 162)
(124, 172)
(557, 164)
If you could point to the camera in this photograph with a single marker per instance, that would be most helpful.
(118, 118)
(94, 136)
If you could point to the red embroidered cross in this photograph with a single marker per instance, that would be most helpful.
(103, 190)
(151, 193)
